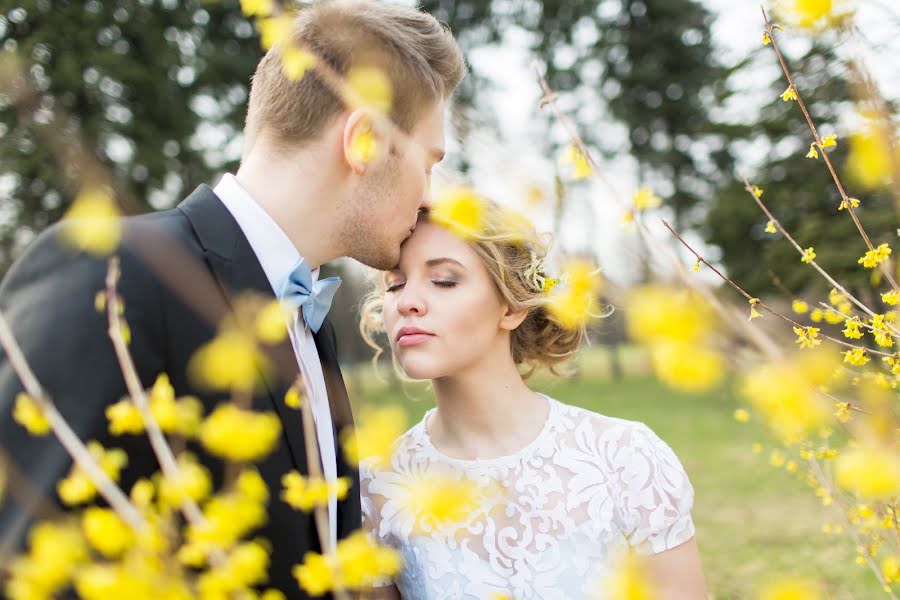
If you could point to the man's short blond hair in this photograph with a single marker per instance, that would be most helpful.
(418, 54)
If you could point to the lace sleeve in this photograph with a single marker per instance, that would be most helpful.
(371, 513)
(657, 495)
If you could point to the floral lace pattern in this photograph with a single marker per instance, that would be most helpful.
(558, 512)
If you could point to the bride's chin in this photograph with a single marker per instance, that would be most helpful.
(418, 371)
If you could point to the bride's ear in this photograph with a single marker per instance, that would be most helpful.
(364, 140)
(512, 319)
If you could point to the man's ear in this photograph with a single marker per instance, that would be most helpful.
(512, 319)
(364, 140)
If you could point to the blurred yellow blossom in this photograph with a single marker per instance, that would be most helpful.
(646, 198)
(757, 191)
(305, 493)
(656, 313)
(808, 255)
(231, 361)
(193, 482)
(873, 472)
(789, 94)
(828, 141)
(460, 210)
(891, 298)
(374, 436)
(357, 563)
(77, 487)
(55, 552)
(92, 223)
(295, 62)
(240, 435)
(124, 417)
(816, 315)
(106, 531)
(364, 146)
(869, 158)
(441, 500)
(876, 256)
(685, 366)
(776, 458)
(770, 226)
(630, 580)
(180, 416)
(274, 31)
(370, 87)
(800, 307)
(29, 415)
(790, 589)
(257, 8)
(813, 153)
(575, 157)
(741, 415)
(295, 396)
(574, 301)
(882, 336)
(849, 202)
(271, 322)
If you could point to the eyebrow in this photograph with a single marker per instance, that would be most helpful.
(444, 259)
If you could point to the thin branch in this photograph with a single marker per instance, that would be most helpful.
(82, 457)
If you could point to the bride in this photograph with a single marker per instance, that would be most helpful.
(568, 491)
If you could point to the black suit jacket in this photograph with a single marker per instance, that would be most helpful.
(182, 269)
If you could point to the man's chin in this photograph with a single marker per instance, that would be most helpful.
(382, 261)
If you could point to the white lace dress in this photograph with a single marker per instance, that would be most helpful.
(588, 487)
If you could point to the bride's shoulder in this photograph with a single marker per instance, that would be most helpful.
(405, 448)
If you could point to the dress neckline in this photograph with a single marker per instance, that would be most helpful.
(527, 449)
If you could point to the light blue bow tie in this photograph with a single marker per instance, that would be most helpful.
(298, 291)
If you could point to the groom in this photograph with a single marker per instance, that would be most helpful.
(302, 197)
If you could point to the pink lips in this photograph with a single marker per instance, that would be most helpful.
(412, 336)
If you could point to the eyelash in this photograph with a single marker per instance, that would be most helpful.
(439, 283)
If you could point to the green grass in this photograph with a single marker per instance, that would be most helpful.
(754, 522)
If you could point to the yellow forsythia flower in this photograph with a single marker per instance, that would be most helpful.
(808, 255)
(856, 356)
(891, 298)
(849, 202)
(231, 361)
(28, 413)
(800, 307)
(817, 315)
(273, 31)
(460, 210)
(575, 157)
(258, 8)
(828, 141)
(770, 226)
(77, 487)
(791, 589)
(124, 417)
(357, 563)
(56, 552)
(106, 531)
(843, 414)
(294, 397)
(369, 87)
(315, 574)
(869, 160)
(766, 39)
(851, 329)
(574, 301)
(374, 436)
(646, 198)
(882, 337)
(240, 435)
(807, 337)
(875, 257)
(193, 482)
(305, 493)
(789, 94)
(271, 322)
(873, 472)
(741, 415)
(296, 62)
(685, 366)
(92, 223)
(813, 153)
(658, 313)
(754, 314)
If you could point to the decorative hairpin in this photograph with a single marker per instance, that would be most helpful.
(536, 275)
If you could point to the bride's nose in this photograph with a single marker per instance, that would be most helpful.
(411, 301)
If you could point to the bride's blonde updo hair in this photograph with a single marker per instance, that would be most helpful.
(513, 254)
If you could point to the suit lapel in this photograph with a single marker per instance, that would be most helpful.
(237, 270)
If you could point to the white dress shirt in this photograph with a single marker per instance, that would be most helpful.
(278, 256)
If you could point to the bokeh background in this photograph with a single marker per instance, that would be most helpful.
(680, 96)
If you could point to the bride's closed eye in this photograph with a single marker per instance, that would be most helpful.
(444, 283)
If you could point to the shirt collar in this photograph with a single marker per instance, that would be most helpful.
(276, 253)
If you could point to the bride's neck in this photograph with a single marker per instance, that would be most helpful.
(485, 411)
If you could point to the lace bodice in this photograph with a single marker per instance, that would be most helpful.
(588, 487)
